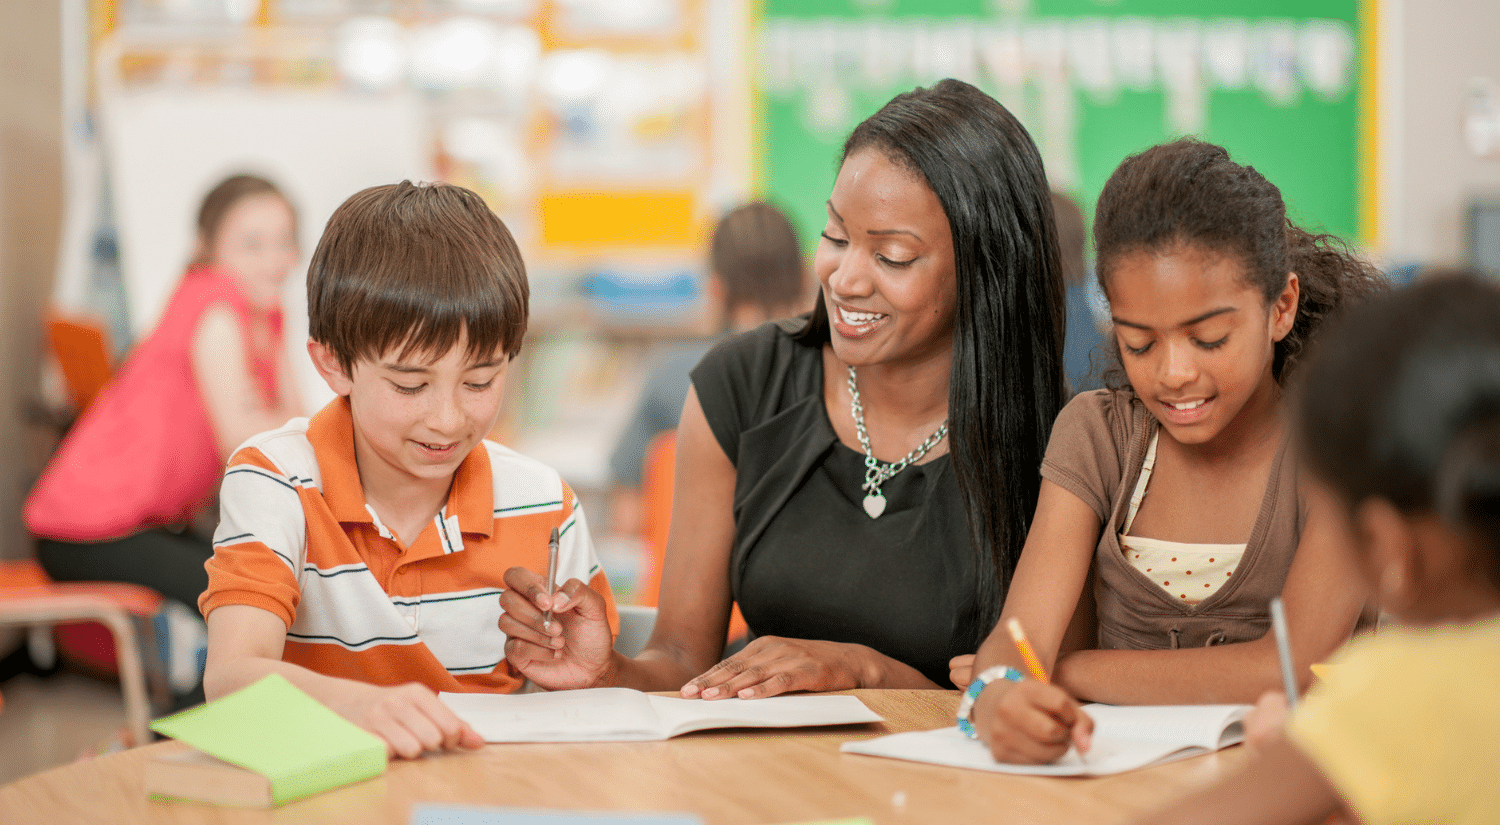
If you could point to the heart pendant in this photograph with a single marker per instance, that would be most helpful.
(874, 505)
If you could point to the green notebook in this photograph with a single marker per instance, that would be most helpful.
(262, 745)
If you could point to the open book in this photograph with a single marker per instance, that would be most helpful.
(1125, 738)
(625, 715)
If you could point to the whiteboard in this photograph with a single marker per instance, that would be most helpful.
(166, 148)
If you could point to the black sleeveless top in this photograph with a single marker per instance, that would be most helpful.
(807, 561)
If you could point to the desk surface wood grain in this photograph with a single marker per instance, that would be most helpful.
(727, 778)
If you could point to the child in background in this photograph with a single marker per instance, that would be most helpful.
(756, 274)
(1170, 512)
(1399, 425)
(360, 553)
(119, 500)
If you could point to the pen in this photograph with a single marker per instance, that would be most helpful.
(1033, 664)
(1284, 651)
(551, 577)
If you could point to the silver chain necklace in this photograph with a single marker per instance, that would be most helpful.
(877, 473)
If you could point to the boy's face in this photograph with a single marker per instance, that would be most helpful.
(416, 418)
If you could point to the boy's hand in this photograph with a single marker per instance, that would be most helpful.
(1030, 722)
(577, 651)
(410, 718)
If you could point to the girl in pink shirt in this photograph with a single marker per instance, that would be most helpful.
(118, 500)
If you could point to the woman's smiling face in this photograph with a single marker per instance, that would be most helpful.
(885, 262)
(1197, 339)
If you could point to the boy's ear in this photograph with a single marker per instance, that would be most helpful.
(1284, 310)
(329, 367)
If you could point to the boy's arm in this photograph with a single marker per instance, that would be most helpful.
(245, 644)
(1280, 786)
(1322, 606)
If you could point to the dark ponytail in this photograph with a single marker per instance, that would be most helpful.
(1190, 193)
(1402, 402)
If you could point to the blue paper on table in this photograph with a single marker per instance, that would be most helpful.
(423, 814)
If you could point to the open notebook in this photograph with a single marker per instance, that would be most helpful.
(625, 715)
(1125, 738)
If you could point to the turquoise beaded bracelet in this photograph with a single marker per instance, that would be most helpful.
(971, 694)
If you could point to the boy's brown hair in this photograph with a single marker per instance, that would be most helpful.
(412, 268)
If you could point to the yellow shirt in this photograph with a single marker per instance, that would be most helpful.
(1407, 728)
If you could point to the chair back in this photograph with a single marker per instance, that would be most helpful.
(82, 349)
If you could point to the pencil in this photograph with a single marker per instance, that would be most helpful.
(1033, 664)
(1284, 652)
(551, 577)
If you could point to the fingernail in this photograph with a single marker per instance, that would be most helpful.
(709, 693)
(747, 693)
(690, 689)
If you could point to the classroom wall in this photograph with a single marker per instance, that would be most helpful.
(31, 179)
(1439, 46)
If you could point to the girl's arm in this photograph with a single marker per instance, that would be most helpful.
(1280, 786)
(1031, 721)
(221, 367)
(1322, 606)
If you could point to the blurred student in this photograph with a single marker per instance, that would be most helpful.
(1085, 334)
(125, 494)
(755, 275)
(1171, 511)
(1399, 424)
(360, 552)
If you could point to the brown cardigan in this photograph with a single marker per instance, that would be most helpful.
(1098, 444)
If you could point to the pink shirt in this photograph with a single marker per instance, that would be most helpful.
(144, 454)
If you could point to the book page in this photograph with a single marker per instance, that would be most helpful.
(684, 715)
(595, 715)
(1125, 738)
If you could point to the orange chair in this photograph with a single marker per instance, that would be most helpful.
(656, 494)
(29, 598)
(82, 349)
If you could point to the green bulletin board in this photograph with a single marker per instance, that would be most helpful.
(1281, 83)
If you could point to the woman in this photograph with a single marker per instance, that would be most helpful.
(860, 481)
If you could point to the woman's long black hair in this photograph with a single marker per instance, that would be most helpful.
(1007, 382)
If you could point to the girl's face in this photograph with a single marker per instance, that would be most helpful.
(256, 245)
(886, 265)
(1196, 340)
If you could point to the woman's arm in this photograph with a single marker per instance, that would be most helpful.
(1323, 602)
(693, 614)
(221, 366)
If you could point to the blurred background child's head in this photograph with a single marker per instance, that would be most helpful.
(756, 271)
(247, 229)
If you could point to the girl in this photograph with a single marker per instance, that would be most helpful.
(1400, 427)
(858, 481)
(1169, 507)
(117, 500)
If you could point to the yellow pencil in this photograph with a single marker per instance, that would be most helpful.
(1033, 664)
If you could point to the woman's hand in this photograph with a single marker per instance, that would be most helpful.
(771, 665)
(576, 650)
(961, 670)
(1030, 722)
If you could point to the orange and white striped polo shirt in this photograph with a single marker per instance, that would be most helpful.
(297, 538)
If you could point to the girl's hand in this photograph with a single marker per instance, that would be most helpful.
(961, 670)
(575, 651)
(771, 665)
(1267, 722)
(1030, 722)
(410, 718)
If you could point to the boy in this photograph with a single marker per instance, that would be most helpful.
(360, 553)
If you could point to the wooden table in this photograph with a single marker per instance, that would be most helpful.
(750, 777)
